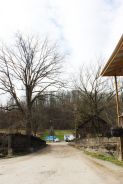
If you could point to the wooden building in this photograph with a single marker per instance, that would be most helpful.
(93, 127)
(114, 67)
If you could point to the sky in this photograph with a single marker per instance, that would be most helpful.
(86, 30)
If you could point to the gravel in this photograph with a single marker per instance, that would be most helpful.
(58, 164)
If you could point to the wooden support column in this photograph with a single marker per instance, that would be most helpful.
(120, 142)
(117, 101)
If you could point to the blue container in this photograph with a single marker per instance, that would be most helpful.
(50, 138)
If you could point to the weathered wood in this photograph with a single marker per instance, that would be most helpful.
(120, 145)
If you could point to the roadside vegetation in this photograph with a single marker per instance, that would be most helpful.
(101, 156)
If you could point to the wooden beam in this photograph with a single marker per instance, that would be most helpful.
(113, 56)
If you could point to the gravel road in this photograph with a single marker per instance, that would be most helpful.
(58, 164)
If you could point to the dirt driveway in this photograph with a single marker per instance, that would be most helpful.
(58, 164)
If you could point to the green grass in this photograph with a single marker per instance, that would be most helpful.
(46, 133)
(58, 133)
(104, 157)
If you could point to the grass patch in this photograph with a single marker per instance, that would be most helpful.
(44, 134)
(104, 157)
(58, 133)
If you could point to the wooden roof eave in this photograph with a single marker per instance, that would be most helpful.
(106, 71)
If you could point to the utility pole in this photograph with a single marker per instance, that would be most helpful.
(75, 121)
(117, 101)
(9, 137)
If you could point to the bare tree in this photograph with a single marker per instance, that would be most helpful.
(29, 69)
(96, 95)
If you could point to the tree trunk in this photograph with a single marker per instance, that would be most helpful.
(29, 123)
(9, 145)
(28, 127)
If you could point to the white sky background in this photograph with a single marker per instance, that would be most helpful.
(86, 29)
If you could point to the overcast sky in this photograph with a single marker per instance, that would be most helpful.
(86, 29)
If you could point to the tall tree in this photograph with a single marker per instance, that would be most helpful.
(30, 67)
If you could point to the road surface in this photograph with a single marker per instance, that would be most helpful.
(58, 164)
